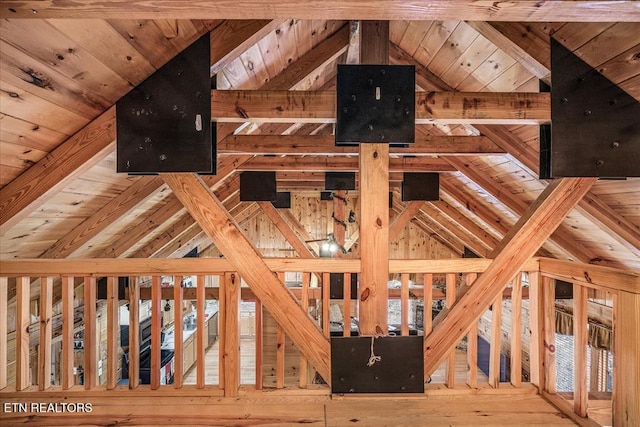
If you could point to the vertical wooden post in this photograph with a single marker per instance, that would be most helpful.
(4, 307)
(536, 325)
(496, 334)
(66, 367)
(259, 345)
(178, 354)
(427, 310)
(326, 327)
(580, 344)
(280, 359)
(156, 316)
(374, 203)
(90, 344)
(44, 348)
(222, 330)
(450, 368)
(113, 328)
(472, 345)
(134, 333)
(626, 382)
(339, 218)
(23, 319)
(516, 331)
(304, 365)
(404, 304)
(232, 334)
(549, 309)
(346, 299)
(200, 347)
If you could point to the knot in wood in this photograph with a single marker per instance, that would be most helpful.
(365, 294)
(378, 222)
(375, 154)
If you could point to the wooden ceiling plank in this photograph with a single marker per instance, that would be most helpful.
(167, 211)
(133, 196)
(287, 232)
(513, 49)
(30, 135)
(225, 233)
(233, 37)
(40, 182)
(533, 228)
(527, 10)
(431, 107)
(425, 145)
(409, 211)
(299, 229)
(463, 221)
(342, 163)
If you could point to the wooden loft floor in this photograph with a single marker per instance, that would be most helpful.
(309, 409)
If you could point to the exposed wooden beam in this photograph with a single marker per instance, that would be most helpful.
(300, 231)
(409, 211)
(224, 232)
(324, 53)
(533, 228)
(459, 218)
(425, 145)
(626, 410)
(562, 239)
(503, 42)
(287, 232)
(41, 181)
(431, 107)
(233, 37)
(343, 163)
(524, 10)
(139, 191)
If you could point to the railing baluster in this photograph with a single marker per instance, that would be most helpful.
(536, 323)
(44, 347)
(232, 335)
(258, 345)
(549, 309)
(280, 367)
(304, 366)
(580, 335)
(346, 329)
(113, 327)
(90, 345)
(516, 331)
(200, 350)
(496, 334)
(404, 304)
(178, 355)
(67, 332)
(156, 317)
(4, 287)
(472, 344)
(222, 329)
(23, 319)
(134, 332)
(427, 310)
(450, 370)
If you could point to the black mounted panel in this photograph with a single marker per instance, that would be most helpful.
(420, 186)
(376, 103)
(326, 195)
(399, 370)
(564, 290)
(283, 200)
(390, 199)
(258, 187)
(339, 180)
(545, 152)
(595, 128)
(101, 292)
(336, 287)
(164, 123)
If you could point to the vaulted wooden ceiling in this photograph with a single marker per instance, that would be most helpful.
(60, 78)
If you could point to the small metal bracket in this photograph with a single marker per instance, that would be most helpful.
(164, 123)
(400, 368)
(376, 103)
(595, 129)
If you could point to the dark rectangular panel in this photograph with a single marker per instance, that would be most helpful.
(340, 181)
(420, 186)
(258, 187)
(336, 288)
(595, 128)
(283, 200)
(101, 283)
(376, 103)
(564, 290)
(399, 370)
(164, 123)
(326, 195)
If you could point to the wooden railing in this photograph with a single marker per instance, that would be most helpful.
(436, 282)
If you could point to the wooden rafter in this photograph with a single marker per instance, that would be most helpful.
(287, 232)
(462, 220)
(343, 163)
(224, 232)
(425, 145)
(524, 10)
(409, 211)
(431, 107)
(533, 228)
(41, 181)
